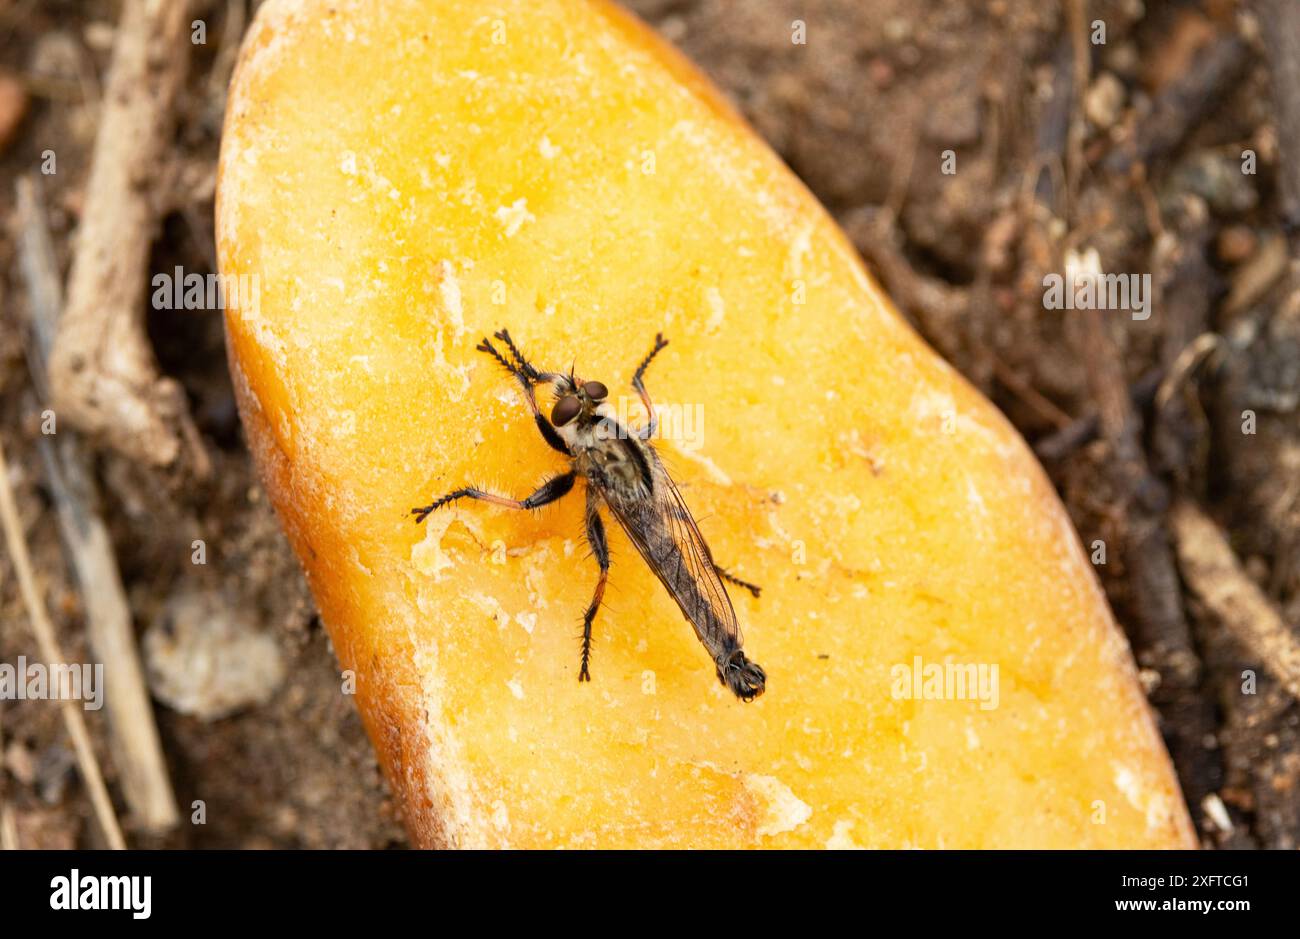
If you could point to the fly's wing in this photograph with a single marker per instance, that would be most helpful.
(663, 530)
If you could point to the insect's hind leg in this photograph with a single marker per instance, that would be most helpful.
(554, 488)
(732, 578)
(638, 383)
(600, 548)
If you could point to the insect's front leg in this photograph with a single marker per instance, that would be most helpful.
(552, 489)
(527, 376)
(522, 364)
(652, 423)
(545, 427)
(600, 548)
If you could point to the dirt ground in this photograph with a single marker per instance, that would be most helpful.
(1135, 420)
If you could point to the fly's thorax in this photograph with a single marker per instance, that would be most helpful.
(611, 457)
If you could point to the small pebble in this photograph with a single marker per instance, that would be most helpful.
(1217, 812)
(1104, 101)
(1217, 178)
(13, 106)
(18, 761)
(1236, 244)
(207, 658)
(99, 35)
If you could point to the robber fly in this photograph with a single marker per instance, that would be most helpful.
(624, 474)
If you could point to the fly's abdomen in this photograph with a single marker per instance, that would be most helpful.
(663, 530)
(687, 587)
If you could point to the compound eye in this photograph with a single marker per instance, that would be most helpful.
(565, 410)
(596, 391)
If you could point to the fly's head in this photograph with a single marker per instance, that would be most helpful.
(576, 404)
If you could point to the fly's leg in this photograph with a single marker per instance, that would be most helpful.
(648, 431)
(521, 363)
(600, 548)
(527, 376)
(732, 578)
(660, 343)
(552, 489)
(525, 368)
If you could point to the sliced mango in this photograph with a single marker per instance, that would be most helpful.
(400, 179)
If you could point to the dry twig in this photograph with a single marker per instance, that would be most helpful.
(73, 719)
(8, 829)
(134, 735)
(1182, 106)
(1214, 574)
(1158, 624)
(1084, 429)
(8, 825)
(103, 372)
(1280, 28)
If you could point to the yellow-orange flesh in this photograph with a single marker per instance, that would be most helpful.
(403, 177)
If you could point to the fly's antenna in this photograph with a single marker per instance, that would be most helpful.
(564, 384)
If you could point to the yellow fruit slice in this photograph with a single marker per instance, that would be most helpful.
(403, 178)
